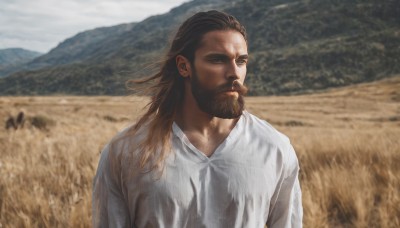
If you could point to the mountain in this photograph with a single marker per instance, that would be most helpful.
(10, 56)
(76, 49)
(15, 56)
(294, 46)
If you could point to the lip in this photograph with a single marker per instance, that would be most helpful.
(232, 93)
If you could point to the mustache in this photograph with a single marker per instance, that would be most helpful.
(240, 88)
(234, 86)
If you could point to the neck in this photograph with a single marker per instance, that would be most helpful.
(204, 131)
(191, 118)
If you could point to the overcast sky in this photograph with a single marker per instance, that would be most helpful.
(40, 25)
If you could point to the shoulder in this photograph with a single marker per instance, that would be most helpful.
(263, 133)
(260, 128)
(124, 139)
(122, 146)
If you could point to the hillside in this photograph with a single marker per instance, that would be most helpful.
(295, 47)
(14, 56)
(76, 49)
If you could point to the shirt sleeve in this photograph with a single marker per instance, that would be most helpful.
(286, 205)
(109, 207)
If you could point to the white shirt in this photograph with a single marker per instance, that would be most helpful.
(250, 180)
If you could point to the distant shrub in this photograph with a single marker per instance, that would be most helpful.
(42, 122)
(294, 123)
(17, 122)
(110, 118)
(77, 109)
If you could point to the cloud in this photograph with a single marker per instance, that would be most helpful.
(41, 24)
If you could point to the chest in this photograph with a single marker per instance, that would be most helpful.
(206, 145)
(191, 184)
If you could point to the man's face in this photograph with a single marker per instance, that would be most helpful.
(218, 73)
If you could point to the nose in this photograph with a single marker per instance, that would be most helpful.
(233, 71)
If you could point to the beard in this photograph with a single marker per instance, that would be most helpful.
(216, 102)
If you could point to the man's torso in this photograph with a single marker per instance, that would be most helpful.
(231, 188)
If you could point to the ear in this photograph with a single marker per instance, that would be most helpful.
(183, 66)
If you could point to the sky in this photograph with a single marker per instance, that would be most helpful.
(40, 25)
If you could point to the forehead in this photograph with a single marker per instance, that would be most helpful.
(229, 42)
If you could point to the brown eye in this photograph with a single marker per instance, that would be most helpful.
(241, 61)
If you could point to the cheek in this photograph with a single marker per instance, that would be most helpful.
(242, 73)
(210, 75)
(210, 70)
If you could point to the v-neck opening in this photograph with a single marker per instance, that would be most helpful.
(232, 134)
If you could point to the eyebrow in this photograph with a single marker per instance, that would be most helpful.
(224, 56)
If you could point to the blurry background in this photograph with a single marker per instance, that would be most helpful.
(295, 46)
(324, 72)
(41, 25)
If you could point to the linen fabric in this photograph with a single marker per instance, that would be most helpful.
(250, 180)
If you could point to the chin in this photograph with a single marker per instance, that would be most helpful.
(226, 107)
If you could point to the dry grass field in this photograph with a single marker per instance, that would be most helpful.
(347, 141)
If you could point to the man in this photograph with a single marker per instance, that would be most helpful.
(196, 158)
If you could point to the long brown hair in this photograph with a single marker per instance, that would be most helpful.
(167, 86)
